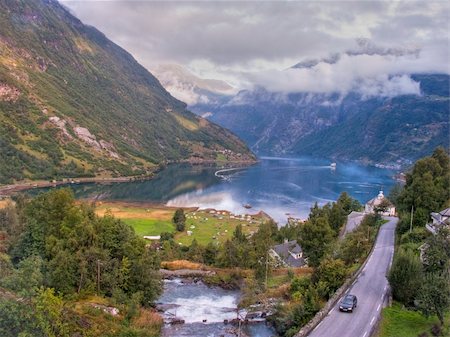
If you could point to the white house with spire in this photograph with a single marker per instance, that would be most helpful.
(372, 204)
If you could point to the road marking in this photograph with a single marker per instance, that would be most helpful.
(379, 305)
(373, 319)
(331, 310)
(318, 325)
(365, 333)
(385, 287)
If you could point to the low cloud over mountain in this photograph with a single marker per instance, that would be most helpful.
(368, 70)
(251, 43)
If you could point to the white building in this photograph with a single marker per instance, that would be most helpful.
(372, 204)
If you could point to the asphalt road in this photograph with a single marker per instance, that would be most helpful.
(370, 288)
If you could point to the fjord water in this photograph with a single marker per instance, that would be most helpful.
(279, 186)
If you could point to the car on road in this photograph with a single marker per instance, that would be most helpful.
(348, 303)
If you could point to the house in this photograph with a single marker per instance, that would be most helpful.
(288, 254)
(439, 220)
(380, 200)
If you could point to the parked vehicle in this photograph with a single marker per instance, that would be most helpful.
(348, 303)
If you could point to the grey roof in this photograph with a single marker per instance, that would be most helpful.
(442, 217)
(284, 250)
(294, 262)
(445, 212)
(290, 246)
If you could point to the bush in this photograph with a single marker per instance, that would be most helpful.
(405, 277)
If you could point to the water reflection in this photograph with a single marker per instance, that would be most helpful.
(279, 186)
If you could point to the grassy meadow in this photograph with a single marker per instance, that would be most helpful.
(401, 322)
(203, 225)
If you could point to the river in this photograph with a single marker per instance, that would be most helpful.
(195, 303)
(281, 187)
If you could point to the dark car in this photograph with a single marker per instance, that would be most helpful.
(348, 303)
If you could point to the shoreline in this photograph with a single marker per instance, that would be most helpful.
(10, 189)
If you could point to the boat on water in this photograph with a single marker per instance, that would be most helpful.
(333, 166)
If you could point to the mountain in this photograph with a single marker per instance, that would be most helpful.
(73, 103)
(387, 130)
(189, 88)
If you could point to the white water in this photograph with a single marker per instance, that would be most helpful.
(213, 309)
(195, 303)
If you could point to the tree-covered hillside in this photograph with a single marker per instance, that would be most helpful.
(420, 272)
(66, 272)
(72, 103)
(371, 129)
(398, 128)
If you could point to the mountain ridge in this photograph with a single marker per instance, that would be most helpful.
(389, 130)
(73, 103)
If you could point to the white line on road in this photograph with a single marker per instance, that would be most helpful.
(331, 310)
(365, 333)
(379, 306)
(373, 319)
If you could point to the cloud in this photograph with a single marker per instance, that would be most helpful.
(250, 43)
(378, 74)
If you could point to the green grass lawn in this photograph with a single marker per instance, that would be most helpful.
(208, 225)
(150, 226)
(398, 322)
(220, 227)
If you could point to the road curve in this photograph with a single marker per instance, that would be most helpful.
(370, 287)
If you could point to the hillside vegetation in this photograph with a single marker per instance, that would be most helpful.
(72, 103)
(420, 272)
(389, 130)
(66, 272)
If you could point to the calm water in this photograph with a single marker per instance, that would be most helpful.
(279, 186)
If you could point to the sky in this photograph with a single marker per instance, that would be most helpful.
(255, 43)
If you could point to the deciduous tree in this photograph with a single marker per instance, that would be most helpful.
(405, 276)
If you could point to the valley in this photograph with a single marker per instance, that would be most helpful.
(223, 169)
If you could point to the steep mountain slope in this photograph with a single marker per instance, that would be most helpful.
(403, 127)
(72, 103)
(377, 129)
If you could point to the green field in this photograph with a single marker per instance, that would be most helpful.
(209, 225)
(150, 226)
(213, 227)
(399, 322)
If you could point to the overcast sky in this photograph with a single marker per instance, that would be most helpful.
(254, 42)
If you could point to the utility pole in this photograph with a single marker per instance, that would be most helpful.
(412, 214)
